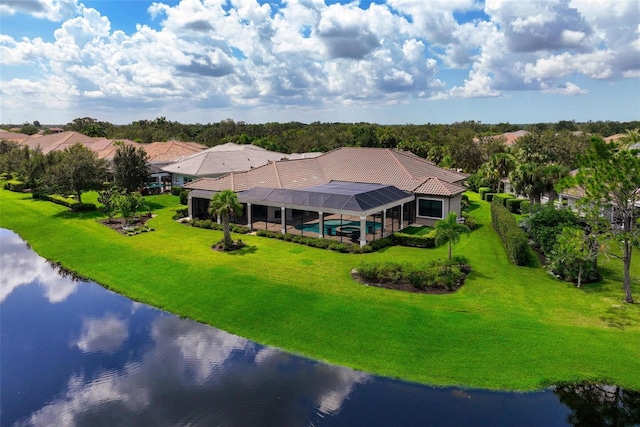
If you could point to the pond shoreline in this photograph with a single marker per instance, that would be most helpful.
(163, 272)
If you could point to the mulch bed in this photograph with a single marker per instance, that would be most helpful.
(119, 224)
(403, 286)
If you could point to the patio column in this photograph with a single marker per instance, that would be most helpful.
(363, 231)
(321, 224)
(283, 219)
(401, 225)
(383, 232)
(249, 219)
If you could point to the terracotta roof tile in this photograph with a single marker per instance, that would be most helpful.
(405, 171)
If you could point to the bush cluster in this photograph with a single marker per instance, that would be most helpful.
(514, 239)
(525, 207)
(15, 185)
(545, 223)
(513, 205)
(212, 225)
(175, 190)
(138, 229)
(181, 213)
(415, 241)
(438, 274)
(332, 245)
(489, 196)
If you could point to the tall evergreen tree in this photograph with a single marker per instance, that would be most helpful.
(130, 167)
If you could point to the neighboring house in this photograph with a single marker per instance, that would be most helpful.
(223, 159)
(160, 153)
(13, 136)
(394, 187)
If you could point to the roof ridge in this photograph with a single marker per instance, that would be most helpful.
(277, 174)
(399, 162)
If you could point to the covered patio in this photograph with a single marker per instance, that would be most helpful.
(343, 211)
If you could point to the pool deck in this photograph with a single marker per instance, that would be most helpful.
(340, 237)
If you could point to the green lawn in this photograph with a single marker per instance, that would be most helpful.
(507, 328)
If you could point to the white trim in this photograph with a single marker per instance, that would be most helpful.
(444, 201)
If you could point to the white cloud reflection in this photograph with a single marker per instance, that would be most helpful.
(21, 266)
(191, 377)
(105, 334)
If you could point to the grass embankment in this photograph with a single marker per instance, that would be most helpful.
(507, 328)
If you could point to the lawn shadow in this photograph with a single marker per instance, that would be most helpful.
(154, 206)
(472, 207)
(69, 214)
(618, 317)
(244, 251)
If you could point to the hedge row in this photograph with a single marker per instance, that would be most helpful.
(332, 245)
(212, 225)
(514, 239)
(415, 241)
(74, 206)
(15, 185)
(482, 191)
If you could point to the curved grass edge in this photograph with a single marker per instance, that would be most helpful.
(495, 334)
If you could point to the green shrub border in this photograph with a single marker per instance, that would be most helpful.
(513, 205)
(15, 186)
(212, 225)
(482, 191)
(514, 239)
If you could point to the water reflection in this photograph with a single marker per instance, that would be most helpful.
(600, 405)
(21, 266)
(75, 354)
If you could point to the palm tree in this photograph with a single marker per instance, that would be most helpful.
(448, 230)
(222, 205)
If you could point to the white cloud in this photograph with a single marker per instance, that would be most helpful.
(305, 53)
(52, 10)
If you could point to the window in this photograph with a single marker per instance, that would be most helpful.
(430, 208)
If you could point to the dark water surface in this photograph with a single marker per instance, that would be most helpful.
(75, 354)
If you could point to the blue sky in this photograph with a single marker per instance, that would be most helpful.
(383, 61)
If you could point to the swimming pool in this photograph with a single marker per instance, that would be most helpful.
(331, 226)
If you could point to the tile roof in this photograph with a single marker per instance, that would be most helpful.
(159, 152)
(223, 159)
(403, 170)
(13, 136)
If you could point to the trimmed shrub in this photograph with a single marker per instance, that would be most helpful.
(514, 239)
(525, 207)
(438, 274)
(184, 197)
(414, 241)
(513, 205)
(503, 197)
(83, 207)
(15, 185)
(482, 191)
(175, 190)
(489, 196)
(212, 225)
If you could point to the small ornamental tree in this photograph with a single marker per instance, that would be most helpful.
(130, 205)
(109, 198)
(609, 177)
(448, 230)
(223, 205)
(574, 255)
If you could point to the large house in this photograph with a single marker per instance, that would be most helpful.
(223, 159)
(368, 192)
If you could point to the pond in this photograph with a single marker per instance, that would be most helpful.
(76, 354)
